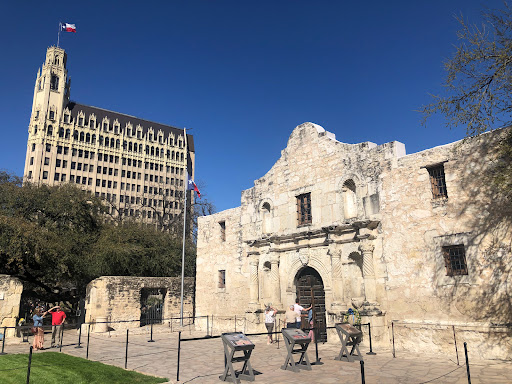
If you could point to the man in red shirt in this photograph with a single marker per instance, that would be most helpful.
(58, 317)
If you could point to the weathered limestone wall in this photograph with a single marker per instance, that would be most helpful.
(10, 296)
(416, 227)
(118, 298)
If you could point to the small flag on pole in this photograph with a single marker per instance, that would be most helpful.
(192, 186)
(68, 27)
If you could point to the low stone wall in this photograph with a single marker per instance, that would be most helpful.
(117, 299)
(10, 296)
(483, 341)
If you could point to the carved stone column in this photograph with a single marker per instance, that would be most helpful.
(368, 271)
(274, 277)
(337, 280)
(253, 282)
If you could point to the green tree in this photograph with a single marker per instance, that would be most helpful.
(478, 85)
(56, 239)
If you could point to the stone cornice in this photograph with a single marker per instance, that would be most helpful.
(354, 231)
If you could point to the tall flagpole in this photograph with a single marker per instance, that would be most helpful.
(58, 35)
(184, 226)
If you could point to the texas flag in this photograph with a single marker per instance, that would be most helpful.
(192, 186)
(68, 27)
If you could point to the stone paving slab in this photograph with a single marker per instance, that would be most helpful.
(202, 361)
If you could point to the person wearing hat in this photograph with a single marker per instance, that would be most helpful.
(58, 317)
(270, 318)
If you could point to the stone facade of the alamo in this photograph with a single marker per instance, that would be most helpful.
(420, 239)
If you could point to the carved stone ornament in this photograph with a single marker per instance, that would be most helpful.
(303, 256)
(366, 247)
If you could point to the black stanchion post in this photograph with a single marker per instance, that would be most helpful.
(79, 336)
(393, 336)
(88, 336)
(370, 337)
(151, 340)
(179, 352)
(315, 332)
(362, 371)
(126, 353)
(235, 323)
(207, 325)
(467, 361)
(29, 364)
(455, 340)
(3, 342)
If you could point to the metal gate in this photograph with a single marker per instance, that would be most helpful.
(310, 290)
(151, 305)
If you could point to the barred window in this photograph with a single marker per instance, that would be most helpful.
(455, 260)
(438, 182)
(222, 278)
(304, 209)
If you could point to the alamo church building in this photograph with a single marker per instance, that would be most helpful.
(421, 241)
(139, 166)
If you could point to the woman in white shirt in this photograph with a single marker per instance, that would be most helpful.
(270, 317)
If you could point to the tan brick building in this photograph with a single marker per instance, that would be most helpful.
(139, 166)
(422, 240)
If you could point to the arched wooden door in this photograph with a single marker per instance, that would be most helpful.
(310, 290)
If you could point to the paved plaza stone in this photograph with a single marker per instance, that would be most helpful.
(202, 361)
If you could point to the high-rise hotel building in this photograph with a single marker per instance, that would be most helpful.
(138, 166)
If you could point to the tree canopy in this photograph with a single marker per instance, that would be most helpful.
(478, 86)
(56, 239)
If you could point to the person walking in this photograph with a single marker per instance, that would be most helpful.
(298, 310)
(58, 318)
(38, 343)
(290, 318)
(311, 334)
(270, 318)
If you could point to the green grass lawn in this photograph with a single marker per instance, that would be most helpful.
(54, 367)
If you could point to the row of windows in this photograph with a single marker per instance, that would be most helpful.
(115, 128)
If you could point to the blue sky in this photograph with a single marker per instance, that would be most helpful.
(242, 74)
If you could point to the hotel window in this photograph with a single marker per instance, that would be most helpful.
(48, 147)
(52, 115)
(57, 162)
(304, 209)
(54, 83)
(63, 177)
(45, 175)
(46, 161)
(29, 174)
(438, 182)
(222, 278)
(56, 177)
(31, 161)
(222, 225)
(33, 147)
(455, 260)
(81, 121)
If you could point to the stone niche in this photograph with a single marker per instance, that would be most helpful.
(121, 298)
(10, 296)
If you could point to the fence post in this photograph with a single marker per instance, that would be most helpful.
(3, 342)
(151, 339)
(207, 325)
(88, 336)
(362, 371)
(370, 336)
(29, 364)
(393, 335)
(179, 352)
(467, 361)
(79, 336)
(455, 340)
(126, 353)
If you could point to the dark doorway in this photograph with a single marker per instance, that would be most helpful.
(310, 290)
(151, 305)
